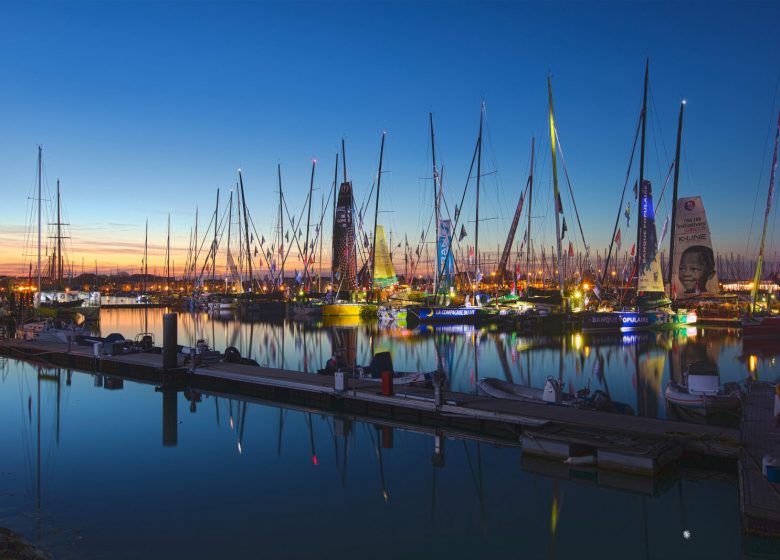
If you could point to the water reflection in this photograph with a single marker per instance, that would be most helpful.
(231, 476)
(631, 368)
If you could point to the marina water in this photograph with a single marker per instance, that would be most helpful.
(93, 467)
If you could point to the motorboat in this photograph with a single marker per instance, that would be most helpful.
(700, 389)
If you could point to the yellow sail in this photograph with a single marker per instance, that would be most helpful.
(384, 274)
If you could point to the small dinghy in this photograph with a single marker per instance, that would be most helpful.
(701, 389)
(550, 393)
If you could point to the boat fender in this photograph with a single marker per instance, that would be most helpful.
(581, 460)
(232, 355)
(552, 391)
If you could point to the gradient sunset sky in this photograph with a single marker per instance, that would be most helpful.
(145, 109)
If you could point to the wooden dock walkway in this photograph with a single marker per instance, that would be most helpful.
(760, 436)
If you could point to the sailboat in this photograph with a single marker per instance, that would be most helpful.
(57, 302)
(468, 312)
(653, 307)
(763, 325)
(344, 249)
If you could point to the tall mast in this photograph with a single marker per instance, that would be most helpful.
(641, 165)
(168, 252)
(229, 257)
(333, 246)
(281, 225)
(246, 229)
(40, 173)
(146, 256)
(59, 237)
(674, 195)
(435, 205)
(376, 210)
(760, 262)
(214, 244)
(556, 193)
(530, 207)
(479, 176)
(306, 251)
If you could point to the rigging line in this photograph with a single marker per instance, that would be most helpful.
(763, 161)
(439, 273)
(622, 197)
(659, 133)
(573, 202)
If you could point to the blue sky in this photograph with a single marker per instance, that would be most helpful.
(146, 108)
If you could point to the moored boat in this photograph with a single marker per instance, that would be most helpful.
(700, 389)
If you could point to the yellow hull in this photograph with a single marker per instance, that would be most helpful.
(342, 310)
(341, 321)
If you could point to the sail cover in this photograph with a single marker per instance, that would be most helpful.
(649, 269)
(693, 262)
(384, 274)
(344, 257)
(445, 259)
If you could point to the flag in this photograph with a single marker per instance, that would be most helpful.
(559, 203)
(636, 190)
(564, 229)
(422, 236)
(300, 233)
(617, 239)
(298, 277)
(633, 247)
(268, 255)
(628, 214)
(287, 236)
(281, 250)
(462, 233)
(398, 246)
(571, 249)
(365, 240)
(663, 230)
(457, 212)
(255, 251)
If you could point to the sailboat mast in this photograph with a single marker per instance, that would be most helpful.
(556, 193)
(435, 205)
(333, 244)
(214, 244)
(40, 173)
(246, 229)
(674, 195)
(168, 253)
(760, 262)
(306, 251)
(146, 256)
(376, 210)
(229, 258)
(479, 176)
(59, 236)
(530, 206)
(281, 226)
(641, 166)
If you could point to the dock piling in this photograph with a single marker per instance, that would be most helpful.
(170, 341)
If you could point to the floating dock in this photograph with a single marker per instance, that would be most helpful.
(760, 436)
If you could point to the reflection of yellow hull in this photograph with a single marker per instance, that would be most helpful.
(342, 310)
(341, 320)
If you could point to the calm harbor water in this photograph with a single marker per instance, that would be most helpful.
(85, 473)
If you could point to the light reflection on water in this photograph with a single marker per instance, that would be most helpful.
(101, 469)
(631, 367)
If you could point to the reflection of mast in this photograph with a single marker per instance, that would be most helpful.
(311, 439)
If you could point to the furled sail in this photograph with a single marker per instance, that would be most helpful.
(445, 260)
(693, 262)
(649, 268)
(344, 259)
(384, 274)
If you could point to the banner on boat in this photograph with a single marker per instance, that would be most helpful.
(344, 257)
(648, 269)
(445, 260)
(384, 273)
(693, 262)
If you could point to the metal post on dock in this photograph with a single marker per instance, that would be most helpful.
(170, 341)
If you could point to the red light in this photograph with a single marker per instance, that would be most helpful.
(314, 460)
